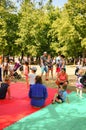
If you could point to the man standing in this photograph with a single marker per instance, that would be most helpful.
(44, 66)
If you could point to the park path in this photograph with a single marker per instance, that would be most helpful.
(70, 69)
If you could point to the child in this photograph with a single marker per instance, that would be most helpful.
(26, 71)
(79, 85)
(32, 76)
(61, 95)
(4, 88)
(11, 69)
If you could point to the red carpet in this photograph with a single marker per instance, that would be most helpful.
(11, 110)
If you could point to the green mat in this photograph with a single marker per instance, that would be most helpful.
(64, 116)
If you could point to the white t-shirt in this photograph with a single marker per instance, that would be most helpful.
(11, 67)
(32, 78)
(58, 59)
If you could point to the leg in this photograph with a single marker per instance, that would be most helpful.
(77, 91)
(42, 70)
(81, 93)
(46, 71)
(54, 99)
(52, 72)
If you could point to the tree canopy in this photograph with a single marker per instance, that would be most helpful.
(35, 27)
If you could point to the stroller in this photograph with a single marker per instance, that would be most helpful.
(17, 71)
(83, 80)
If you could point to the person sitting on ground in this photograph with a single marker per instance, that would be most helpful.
(61, 96)
(62, 78)
(5, 88)
(32, 76)
(38, 93)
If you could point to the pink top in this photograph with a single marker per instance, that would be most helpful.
(63, 76)
(26, 70)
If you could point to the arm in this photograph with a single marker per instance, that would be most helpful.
(41, 61)
(55, 97)
(66, 77)
(30, 93)
(8, 91)
(57, 79)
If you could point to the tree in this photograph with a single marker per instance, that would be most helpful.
(77, 15)
(7, 25)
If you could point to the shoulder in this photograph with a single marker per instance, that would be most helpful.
(4, 85)
(43, 86)
(42, 57)
(65, 93)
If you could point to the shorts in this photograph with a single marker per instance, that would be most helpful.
(79, 85)
(44, 68)
(59, 97)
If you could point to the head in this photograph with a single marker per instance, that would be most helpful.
(49, 56)
(81, 72)
(1, 59)
(5, 59)
(26, 63)
(64, 87)
(63, 70)
(62, 56)
(34, 69)
(45, 53)
(38, 79)
(7, 79)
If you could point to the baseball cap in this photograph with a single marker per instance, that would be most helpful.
(45, 52)
(34, 68)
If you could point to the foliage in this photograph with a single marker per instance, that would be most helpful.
(37, 27)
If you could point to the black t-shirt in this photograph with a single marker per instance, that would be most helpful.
(3, 90)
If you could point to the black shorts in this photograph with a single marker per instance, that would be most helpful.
(59, 97)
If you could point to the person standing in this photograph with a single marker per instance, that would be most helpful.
(38, 93)
(26, 72)
(5, 67)
(44, 66)
(79, 85)
(32, 76)
(50, 65)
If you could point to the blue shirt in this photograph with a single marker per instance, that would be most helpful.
(38, 94)
(63, 95)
